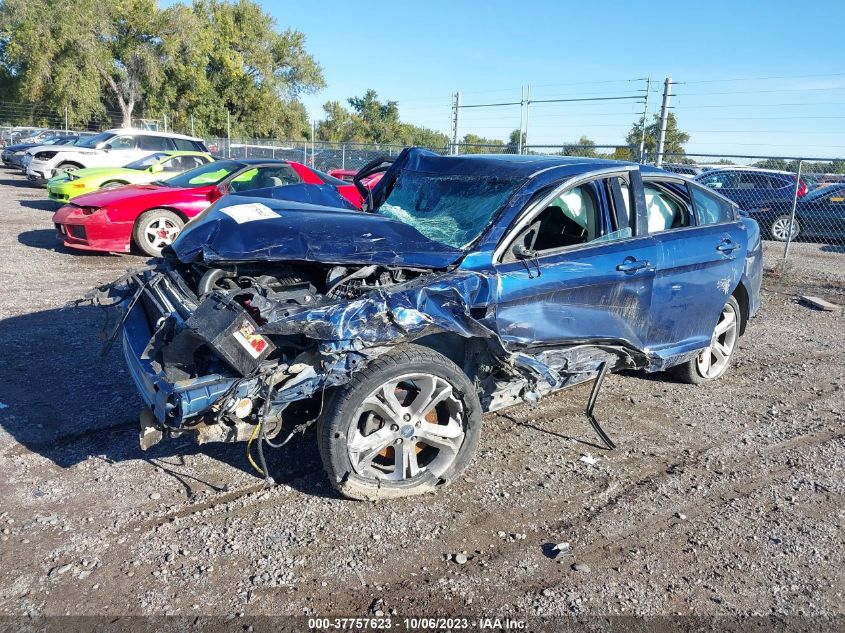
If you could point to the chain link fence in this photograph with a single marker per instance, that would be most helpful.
(796, 201)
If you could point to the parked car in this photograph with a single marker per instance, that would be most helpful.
(13, 155)
(113, 148)
(67, 186)
(347, 175)
(753, 187)
(472, 283)
(683, 168)
(151, 216)
(820, 215)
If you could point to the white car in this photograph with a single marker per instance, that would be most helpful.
(113, 148)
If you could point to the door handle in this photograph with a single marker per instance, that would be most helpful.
(726, 246)
(631, 265)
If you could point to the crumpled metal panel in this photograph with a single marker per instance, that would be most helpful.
(295, 231)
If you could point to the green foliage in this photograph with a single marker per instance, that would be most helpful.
(673, 143)
(475, 144)
(586, 148)
(371, 121)
(201, 60)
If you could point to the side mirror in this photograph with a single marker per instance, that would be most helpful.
(157, 168)
(521, 251)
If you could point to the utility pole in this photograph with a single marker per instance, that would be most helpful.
(229, 132)
(664, 117)
(192, 124)
(645, 114)
(521, 120)
(312, 144)
(523, 138)
(65, 118)
(164, 116)
(456, 108)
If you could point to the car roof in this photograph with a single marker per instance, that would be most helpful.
(131, 130)
(506, 165)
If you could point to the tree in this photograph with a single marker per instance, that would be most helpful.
(372, 121)
(673, 142)
(206, 59)
(475, 144)
(585, 147)
(514, 141)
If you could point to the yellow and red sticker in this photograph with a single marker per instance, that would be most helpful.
(253, 343)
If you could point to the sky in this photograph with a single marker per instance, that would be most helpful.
(752, 77)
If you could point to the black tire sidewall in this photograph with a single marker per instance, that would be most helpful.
(344, 401)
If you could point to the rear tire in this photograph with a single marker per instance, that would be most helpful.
(404, 425)
(779, 228)
(155, 229)
(712, 362)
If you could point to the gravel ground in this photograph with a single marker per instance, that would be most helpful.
(724, 499)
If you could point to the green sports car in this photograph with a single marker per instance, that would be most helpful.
(157, 166)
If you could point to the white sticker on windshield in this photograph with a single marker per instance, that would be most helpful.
(241, 213)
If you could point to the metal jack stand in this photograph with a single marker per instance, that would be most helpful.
(591, 405)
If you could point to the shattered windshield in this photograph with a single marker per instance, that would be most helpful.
(446, 208)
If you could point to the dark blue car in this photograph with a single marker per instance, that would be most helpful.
(753, 188)
(471, 283)
(819, 216)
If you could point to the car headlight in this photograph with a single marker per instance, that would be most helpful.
(45, 155)
(19, 152)
(92, 210)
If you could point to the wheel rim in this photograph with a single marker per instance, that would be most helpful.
(69, 169)
(111, 185)
(713, 361)
(407, 426)
(780, 229)
(160, 232)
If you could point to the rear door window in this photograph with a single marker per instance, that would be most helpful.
(154, 143)
(719, 180)
(667, 206)
(710, 209)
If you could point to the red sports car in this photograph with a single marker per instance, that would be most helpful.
(348, 174)
(151, 216)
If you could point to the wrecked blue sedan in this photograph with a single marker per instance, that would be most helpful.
(468, 284)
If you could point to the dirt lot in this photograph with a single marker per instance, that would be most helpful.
(720, 500)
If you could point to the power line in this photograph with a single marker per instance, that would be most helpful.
(708, 81)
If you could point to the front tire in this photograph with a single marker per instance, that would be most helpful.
(403, 425)
(155, 229)
(113, 184)
(712, 362)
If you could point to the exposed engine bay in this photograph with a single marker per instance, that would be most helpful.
(249, 347)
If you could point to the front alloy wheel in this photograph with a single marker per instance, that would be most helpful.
(406, 423)
(405, 426)
(156, 229)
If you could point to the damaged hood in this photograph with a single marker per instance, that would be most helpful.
(240, 228)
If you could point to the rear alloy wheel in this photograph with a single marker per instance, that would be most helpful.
(156, 229)
(408, 422)
(713, 361)
(112, 184)
(780, 228)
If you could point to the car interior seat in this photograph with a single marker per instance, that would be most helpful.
(661, 214)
